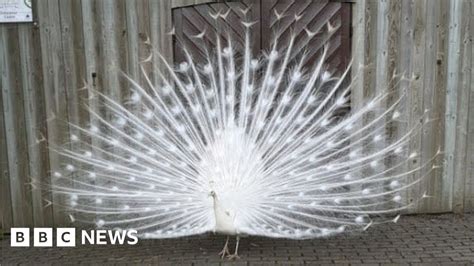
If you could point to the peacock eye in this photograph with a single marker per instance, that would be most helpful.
(208, 69)
(135, 97)
(183, 67)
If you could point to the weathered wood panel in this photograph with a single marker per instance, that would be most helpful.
(35, 118)
(44, 68)
(464, 85)
(5, 195)
(14, 124)
(405, 64)
(359, 54)
(160, 37)
(452, 91)
(433, 104)
(415, 91)
(435, 56)
(54, 85)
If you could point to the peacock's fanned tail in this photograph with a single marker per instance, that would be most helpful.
(273, 136)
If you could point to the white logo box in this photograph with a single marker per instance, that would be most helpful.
(42, 237)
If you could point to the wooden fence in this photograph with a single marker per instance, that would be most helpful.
(45, 65)
(431, 42)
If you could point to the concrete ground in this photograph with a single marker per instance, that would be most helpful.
(422, 239)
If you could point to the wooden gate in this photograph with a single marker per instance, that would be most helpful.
(313, 16)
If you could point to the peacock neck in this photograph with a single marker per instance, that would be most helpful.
(224, 218)
(218, 208)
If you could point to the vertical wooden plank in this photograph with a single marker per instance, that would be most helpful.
(381, 72)
(132, 39)
(393, 38)
(109, 58)
(366, 42)
(161, 42)
(133, 43)
(361, 28)
(388, 35)
(367, 68)
(72, 43)
(165, 26)
(54, 93)
(430, 144)
(405, 66)
(364, 31)
(460, 155)
(391, 70)
(359, 22)
(6, 219)
(469, 168)
(122, 46)
(112, 54)
(371, 47)
(415, 91)
(428, 148)
(35, 118)
(74, 56)
(89, 32)
(13, 112)
(144, 49)
(450, 182)
(112, 45)
(435, 186)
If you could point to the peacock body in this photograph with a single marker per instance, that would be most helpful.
(242, 144)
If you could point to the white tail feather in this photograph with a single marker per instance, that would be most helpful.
(265, 137)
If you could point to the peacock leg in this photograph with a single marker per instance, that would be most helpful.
(235, 255)
(225, 250)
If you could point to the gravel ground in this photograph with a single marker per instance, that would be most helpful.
(416, 240)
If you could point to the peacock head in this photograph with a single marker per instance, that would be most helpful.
(212, 194)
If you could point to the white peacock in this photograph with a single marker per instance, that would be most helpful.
(256, 146)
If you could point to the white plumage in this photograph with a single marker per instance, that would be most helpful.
(251, 145)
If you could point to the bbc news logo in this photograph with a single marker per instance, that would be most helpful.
(66, 237)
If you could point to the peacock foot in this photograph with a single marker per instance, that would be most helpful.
(234, 256)
(225, 251)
